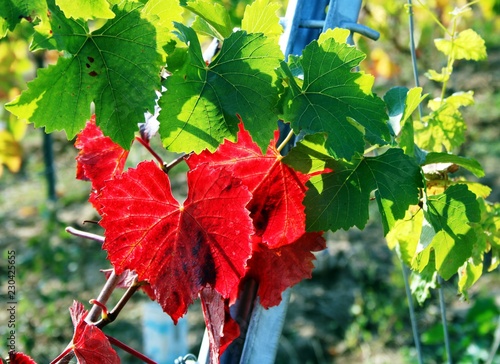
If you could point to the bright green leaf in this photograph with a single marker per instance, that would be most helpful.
(162, 14)
(202, 103)
(421, 283)
(116, 67)
(310, 155)
(480, 190)
(213, 19)
(468, 274)
(470, 164)
(466, 45)
(405, 234)
(451, 214)
(261, 17)
(340, 199)
(457, 100)
(13, 11)
(401, 103)
(445, 126)
(340, 35)
(330, 93)
(85, 9)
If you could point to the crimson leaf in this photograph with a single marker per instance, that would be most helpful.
(222, 329)
(89, 343)
(19, 358)
(278, 190)
(99, 159)
(178, 248)
(279, 268)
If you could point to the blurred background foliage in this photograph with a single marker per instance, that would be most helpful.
(354, 309)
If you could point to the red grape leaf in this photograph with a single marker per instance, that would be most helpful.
(278, 190)
(178, 248)
(277, 269)
(19, 358)
(99, 159)
(222, 329)
(89, 343)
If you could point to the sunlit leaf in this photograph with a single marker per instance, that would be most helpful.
(116, 67)
(178, 248)
(213, 19)
(451, 234)
(468, 163)
(340, 199)
(10, 152)
(466, 45)
(201, 105)
(260, 17)
(85, 9)
(445, 126)
(333, 99)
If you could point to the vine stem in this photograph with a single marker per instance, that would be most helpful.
(150, 150)
(84, 234)
(113, 314)
(167, 167)
(62, 357)
(130, 350)
(285, 141)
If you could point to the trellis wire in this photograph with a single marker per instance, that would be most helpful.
(442, 304)
(413, 318)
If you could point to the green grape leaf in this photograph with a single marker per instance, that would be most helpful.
(449, 232)
(13, 11)
(85, 9)
(401, 103)
(116, 67)
(421, 283)
(466, 45)
(340, 199)
(404, 235)
(480, 190)
(444, 126)
(202, 102)
(162, 14)
(212, 20)
(468, 274)
(468, 163)
(333, 99)
(260, 17)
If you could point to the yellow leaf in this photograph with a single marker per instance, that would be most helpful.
(10, 152)
(466, 45)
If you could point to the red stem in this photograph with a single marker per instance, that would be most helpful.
(150, 150)
(130, 350)
(62, 355)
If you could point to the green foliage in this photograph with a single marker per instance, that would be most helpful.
(116, 67)
(202, 102)
(373, 147)
(332, 99)
(86, 9)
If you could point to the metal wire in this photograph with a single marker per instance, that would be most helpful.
(442, 307)
(442, 304)
(413, 319)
